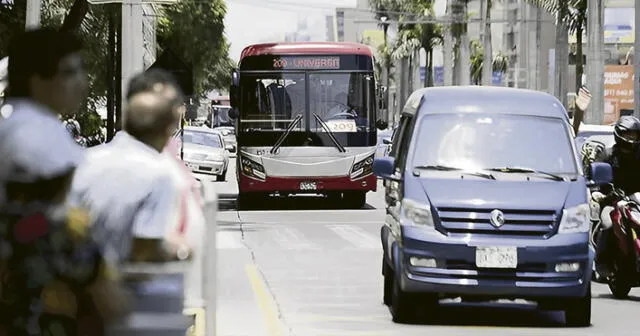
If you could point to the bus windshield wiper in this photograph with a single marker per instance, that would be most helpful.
(330, 133)
(462, 170)
(284, 135)
(527, 170)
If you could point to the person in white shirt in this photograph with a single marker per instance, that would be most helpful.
(127, 185)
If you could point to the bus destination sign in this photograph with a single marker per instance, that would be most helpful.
(328, 62)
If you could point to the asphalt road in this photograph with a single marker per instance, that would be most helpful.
(315, 271)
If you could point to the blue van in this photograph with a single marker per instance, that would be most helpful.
(486, 200)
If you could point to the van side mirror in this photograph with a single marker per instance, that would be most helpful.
(381, 124)
(600, 173)
(385, 168)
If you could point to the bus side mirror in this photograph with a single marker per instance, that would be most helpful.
(233, 113)
(233, 89)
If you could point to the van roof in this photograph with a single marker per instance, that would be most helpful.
(483, 99)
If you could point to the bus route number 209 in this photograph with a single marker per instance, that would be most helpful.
(279, 63)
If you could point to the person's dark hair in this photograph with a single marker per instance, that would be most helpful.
(37, 52)
(148, 80)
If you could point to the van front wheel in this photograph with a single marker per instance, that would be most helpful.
(578, 311)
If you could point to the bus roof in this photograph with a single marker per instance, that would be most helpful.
(304, 48)
(483, 99)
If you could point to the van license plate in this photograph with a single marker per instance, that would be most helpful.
(308, 186)
(497, 257)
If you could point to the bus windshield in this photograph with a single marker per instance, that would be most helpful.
(329, 102)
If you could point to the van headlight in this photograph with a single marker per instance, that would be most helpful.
(417, 214)
(575, 219)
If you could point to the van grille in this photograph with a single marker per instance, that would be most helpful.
(533, 223)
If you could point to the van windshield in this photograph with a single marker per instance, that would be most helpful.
(476, 141)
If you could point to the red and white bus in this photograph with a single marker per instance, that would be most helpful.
(306, 120)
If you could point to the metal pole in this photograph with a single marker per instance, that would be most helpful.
(595, 62)
(132, 45)
(636, 62)
(33, 14)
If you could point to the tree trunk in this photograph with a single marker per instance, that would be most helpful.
(447, 49)
(465, 54)
(579, 64)
(487, 64)
(73, 20)
(430, 67)
(538, 48)
(595, 61)
(562, 55)
(427, 69)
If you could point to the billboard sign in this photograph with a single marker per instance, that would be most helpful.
(618, 91)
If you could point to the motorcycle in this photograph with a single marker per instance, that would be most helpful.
(624, 245)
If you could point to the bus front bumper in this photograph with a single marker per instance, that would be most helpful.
(307, 185)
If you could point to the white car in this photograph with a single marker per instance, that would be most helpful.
(204, 152)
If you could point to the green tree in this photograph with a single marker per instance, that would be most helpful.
(499, 62)
(194, 30)
(573, 13)
(414, 36)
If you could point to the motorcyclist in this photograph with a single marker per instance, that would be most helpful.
(624, 159)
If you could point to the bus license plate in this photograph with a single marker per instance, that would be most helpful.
(497, 257)
(308, 186)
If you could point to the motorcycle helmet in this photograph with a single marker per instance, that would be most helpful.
(627, 133)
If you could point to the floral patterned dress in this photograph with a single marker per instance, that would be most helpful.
(47, 260)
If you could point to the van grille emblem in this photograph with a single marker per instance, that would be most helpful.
(497, 218)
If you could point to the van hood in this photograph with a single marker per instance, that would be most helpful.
(531, 195)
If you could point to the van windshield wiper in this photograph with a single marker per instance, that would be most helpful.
(462, 170)
(330, 133)
(527, 170)
(284, 135)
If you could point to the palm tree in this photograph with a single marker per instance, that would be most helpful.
(499, 63)
(571, 16)
(487, 71)
(462, 43)
(413, 37)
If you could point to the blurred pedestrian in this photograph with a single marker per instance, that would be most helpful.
(48, 261)
(46, 78)
(126, 184)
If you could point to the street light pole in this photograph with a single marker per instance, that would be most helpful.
(387, 66)
(636, 62)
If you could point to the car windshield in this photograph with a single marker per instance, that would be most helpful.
(202, 138)
(476, 141)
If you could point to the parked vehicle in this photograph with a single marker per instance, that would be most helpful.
(229, 135)
(486, 199)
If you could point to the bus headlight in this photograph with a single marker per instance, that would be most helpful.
(362, 168)
(252, 169)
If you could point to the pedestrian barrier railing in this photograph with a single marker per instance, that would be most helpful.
(179, 297)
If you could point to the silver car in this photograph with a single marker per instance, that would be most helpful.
(229, 135)
(204, 152)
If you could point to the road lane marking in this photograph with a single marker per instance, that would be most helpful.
(292, 239)
(227, 240)
(356, 236)
(326, 318)
(265, 302)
